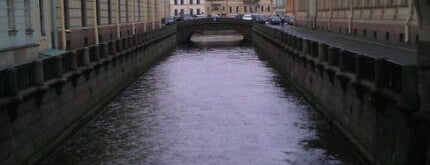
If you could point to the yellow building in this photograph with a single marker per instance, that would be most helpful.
(226, 7)
(88, 22)
(383, 20)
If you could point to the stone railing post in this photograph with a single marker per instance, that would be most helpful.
(118, 46)
(86, 56)
(12, 84)
(74, 60)
(38, 73)
(105, 50)
(409, 83)
(333, 55)
(299, 44)
(380, 73)
(322, 55)
(314, 49)
(97, 52)
(343, 63)
(58, 66)
(359, 69)
(305, 47)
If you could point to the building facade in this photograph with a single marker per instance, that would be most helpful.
(192, 7)
(290, 8)
(279, 6)
(87, 22)
(383, 20)
(226, 7)
(25, 29)
(28, 28)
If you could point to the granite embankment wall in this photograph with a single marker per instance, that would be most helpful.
(44, 102)
(369, 101)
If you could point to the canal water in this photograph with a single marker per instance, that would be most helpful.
(207, 106)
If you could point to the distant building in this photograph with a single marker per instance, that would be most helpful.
(383, 20)
(225, 7)
(192, 7)
(279, 6)
(290, 8)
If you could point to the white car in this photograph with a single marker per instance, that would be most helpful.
(215, 16)
(247, 17)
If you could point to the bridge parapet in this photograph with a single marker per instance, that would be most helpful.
(185, 29)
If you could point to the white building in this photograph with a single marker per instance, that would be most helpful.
(193, 7)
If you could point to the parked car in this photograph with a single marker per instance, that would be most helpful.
(260, 19)
(201, 16)
(247, 17)
(291, 20)
(275, 20)
(188, 17)
(215, 16)
(232, 16)
(169, 20)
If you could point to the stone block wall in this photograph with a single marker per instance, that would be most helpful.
(44, 102)
(369, 101)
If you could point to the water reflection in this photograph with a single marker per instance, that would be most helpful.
(216, 106)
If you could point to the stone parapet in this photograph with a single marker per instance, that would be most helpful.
(369, 100)
(44, 102)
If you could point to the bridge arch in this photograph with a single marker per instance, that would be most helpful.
(185, 29)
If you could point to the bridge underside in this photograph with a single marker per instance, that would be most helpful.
(186, 29)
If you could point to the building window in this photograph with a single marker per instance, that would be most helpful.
(109, 11)
(126, 12)
(42, 18)
(66, 14)
(175, 2)
(198, 2)
(244, 9)
(237, 9)
(11, 17)
(84, 12)
(27, 13)
(198, 12)
(119, 11)
(191, 2)
(139, 10)
(98, 11)
(262, 8)
(176, 12)
(191, 11)
(230, 9)
(182, 2)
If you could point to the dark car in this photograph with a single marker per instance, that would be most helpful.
(275, 20)
(291, 20)
(260, 19)
(169, 20)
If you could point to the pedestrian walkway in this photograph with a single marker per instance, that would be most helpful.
(395, 54)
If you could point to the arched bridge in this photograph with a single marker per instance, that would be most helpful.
(185, 29)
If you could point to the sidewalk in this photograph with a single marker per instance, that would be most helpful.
(395, 54)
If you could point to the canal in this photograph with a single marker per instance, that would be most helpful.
(207, 106)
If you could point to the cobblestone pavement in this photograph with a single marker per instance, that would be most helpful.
(396, 54)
